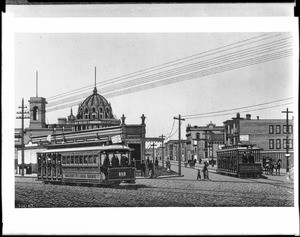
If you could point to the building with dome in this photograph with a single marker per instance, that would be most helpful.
(93, 125)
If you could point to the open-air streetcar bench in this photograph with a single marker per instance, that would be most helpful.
(230, 162)
(84, 165)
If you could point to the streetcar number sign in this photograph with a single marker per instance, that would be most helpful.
(122, 174)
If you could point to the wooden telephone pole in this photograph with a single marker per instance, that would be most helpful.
(22, 117)
(162, 150)
(179, 142)
(153, 145)
(287, 139)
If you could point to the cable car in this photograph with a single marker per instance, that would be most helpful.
(95, 165)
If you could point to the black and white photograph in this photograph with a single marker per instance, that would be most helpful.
(149, 125)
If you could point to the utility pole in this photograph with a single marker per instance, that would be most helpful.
(287, 139)
(22, 117)
(162, 149)
(153, 145)
(179, 142)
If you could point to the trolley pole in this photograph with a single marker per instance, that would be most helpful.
(22, 117)
(179, 142)
(287, 139)
(162, 149)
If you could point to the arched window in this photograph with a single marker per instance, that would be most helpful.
(94, 113)
(101, 109)
(86, 113)
(35, 113)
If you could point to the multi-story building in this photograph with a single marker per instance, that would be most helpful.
(271, 135)
(202, 142)
(171, 149)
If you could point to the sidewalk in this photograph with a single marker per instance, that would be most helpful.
(26, 175)
(282, 177)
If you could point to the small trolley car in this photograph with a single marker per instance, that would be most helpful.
(95, 165)
(243, 162)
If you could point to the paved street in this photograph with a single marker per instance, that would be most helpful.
(163, 192)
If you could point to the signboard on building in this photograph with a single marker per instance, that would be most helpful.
(116, 139)
(244, 138)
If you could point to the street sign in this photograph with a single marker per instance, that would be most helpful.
(116, 139)
(244, 138)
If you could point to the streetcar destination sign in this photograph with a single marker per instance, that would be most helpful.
(81, 176)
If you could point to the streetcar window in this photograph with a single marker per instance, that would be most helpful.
(76, 160)
(80, 159)
(85, 160)
(72, 159)
(95, 159)
(64, 160)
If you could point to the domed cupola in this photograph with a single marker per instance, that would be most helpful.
(95, 107)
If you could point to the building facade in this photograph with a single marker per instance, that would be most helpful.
(171, 150)
(93, 125)
(202, 142)
(271, 135)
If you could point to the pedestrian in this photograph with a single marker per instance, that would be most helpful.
(156, 163)
(168, 164)
(143, 168)
(151, 169)
(212, 162)
(271, 166)
(205, 170)
(278, 166)
(199, 174)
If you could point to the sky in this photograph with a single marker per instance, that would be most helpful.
(66, 62)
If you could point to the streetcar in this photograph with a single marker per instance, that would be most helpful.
(240, 161)
(108, 164)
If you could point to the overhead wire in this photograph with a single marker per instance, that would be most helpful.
(60, 102)
(235, 109)
(211, 71)
(158, 66)
(216, 115)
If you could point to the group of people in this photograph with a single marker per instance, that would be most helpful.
(204, 170)
(271, 165)
(114, 163)
(150, 166)
(248, 158)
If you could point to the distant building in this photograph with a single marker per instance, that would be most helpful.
(268, 134)
(202, 142)
(171, 150)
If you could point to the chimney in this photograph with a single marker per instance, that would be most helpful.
(257, 117)
(248, 116)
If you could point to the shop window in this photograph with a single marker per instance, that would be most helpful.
(271, 144)
(271, 129)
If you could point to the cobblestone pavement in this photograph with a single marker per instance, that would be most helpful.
(168, 192)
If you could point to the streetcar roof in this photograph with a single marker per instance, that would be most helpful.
(91, 148)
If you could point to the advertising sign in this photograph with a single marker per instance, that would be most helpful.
(116, 139)
(244, 138)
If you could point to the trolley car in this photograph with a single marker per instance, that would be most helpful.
(94, 165)
(240, 161)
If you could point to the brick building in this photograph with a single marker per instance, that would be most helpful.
(268, 134)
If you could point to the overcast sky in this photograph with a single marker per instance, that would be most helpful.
(66, 62)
